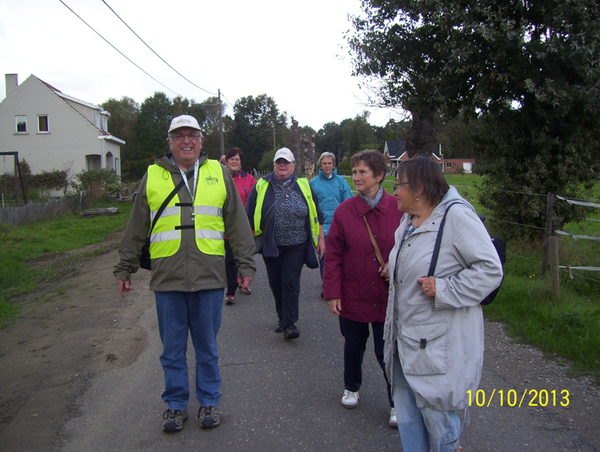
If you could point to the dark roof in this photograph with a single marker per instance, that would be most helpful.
(395, 148)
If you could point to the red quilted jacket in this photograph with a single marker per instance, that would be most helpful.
(350, 261)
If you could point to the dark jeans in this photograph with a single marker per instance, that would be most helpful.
(230, 269)
(322, 260)
(355, 344)
(284, 279)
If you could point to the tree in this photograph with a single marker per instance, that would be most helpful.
(257, 120)
(123, 117)
(527, 72)
(397, 44)
(207, 113)
(330, 138)
(151, 132)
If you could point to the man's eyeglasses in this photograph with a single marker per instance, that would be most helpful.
(181, 136)
(282, 162)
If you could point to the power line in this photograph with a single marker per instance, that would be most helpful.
(161, 58)
(126, 57)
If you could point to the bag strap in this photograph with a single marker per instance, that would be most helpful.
(438, 241)
(167, 200)
(379, 256)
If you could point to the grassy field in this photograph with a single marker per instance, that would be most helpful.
(568, 328)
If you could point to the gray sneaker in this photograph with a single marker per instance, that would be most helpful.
(174, 420)
(209, 417)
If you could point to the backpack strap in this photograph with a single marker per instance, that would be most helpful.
(438, 241)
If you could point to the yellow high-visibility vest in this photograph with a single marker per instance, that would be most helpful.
(261, 190)
(209, 226)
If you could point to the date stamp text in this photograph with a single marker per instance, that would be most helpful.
(513, 398)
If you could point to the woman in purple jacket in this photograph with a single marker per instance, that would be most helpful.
(355, 283)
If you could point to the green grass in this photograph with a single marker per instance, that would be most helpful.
(22, 245)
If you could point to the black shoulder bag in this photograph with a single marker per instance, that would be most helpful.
(145, 257)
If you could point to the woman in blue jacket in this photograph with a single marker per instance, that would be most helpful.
(331, 190)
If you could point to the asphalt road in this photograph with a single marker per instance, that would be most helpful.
(285, 396)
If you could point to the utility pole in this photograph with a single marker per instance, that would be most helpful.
(222, 143)
(274, 137)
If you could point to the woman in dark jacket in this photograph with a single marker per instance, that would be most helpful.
(285, 211)
(355, 280)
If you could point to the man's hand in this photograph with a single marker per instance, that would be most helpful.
(244, 283)
(124, 286)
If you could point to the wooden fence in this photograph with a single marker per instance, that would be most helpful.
(40, 210)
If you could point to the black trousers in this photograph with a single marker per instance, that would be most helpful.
(284, 280)
(230, 269)
(355, 344)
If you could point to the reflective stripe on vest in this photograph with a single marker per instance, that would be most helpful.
(165, 239)
(210, 227)
(211, 194)
(261, 190)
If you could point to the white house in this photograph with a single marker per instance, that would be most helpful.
(54, 131)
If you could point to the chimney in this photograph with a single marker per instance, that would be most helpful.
(12, 82)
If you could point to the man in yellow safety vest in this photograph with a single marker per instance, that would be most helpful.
(186, 204)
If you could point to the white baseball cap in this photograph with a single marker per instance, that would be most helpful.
(284, 153)
(184, 121)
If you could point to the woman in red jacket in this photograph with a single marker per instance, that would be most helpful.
(244, 182)
(355, 283)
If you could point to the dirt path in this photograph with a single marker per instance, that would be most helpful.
(76, 325)
(69, 330)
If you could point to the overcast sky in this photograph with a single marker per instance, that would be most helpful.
(294, 52)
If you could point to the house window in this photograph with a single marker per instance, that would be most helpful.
(43, 123)
(448, 164)
(21, 123)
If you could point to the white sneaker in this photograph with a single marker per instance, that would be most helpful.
(393, 422)
(350, 399)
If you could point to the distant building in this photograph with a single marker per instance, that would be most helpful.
(395, 153)
(54, 131)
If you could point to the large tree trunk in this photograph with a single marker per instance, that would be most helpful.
(422, 137)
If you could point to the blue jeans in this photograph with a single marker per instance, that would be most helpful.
(284, 273)
(200, 313)
(420, 426)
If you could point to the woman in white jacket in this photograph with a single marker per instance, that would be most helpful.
(434, 325)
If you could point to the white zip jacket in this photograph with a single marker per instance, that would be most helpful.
(439, 340)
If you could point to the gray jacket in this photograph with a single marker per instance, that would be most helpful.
(440, 340)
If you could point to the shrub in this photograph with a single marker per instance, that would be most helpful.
(100, 183)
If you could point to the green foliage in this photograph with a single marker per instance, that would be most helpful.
(151, 132)
(255, 119)
(100, 182)
(36, 185)
(526, 74)
(266, 162)
(124, 115)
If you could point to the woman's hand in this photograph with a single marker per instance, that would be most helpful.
(427, 285)
(335, 305)
(384, 271)
(321, 243)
